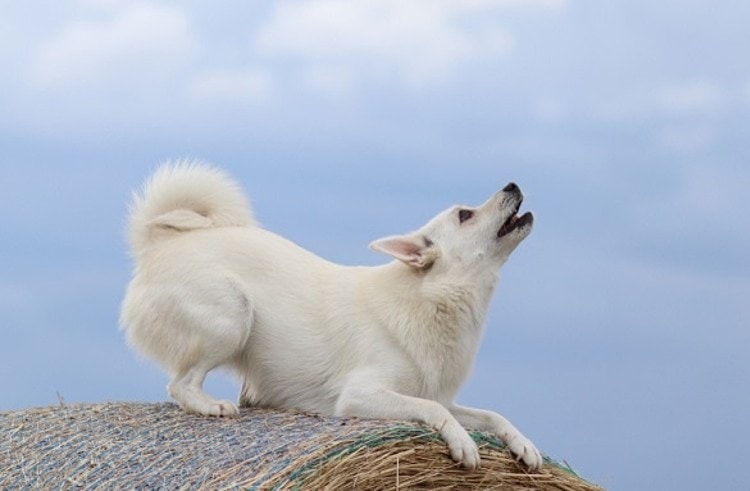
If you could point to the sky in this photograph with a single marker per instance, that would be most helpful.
(618, 337)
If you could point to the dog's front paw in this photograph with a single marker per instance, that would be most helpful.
(463, 449)
(524, 451)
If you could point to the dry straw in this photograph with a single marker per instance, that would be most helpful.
(157, 446)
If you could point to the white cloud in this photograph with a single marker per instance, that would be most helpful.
(102, 4)
(692, 111)
(692, 97)
(243, 86)
(416, 42)
(334, 80)
(683, 99)
(140, 41)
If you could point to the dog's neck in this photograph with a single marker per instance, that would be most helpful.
(453, 312)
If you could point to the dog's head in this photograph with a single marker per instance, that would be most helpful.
(469, 240)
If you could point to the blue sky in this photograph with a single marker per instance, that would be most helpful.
(618, 338)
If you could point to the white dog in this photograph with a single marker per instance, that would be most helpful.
(211, 288)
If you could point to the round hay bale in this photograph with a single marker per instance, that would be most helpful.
(149, 446)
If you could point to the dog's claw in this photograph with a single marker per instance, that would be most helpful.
(468, 458)
(464, 451)
(525, 451)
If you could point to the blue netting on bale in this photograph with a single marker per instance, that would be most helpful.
(158, 446)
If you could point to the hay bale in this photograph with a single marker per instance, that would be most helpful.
(148, 446)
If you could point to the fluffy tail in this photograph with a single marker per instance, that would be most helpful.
(184, 196)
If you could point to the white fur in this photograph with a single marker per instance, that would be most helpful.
(213, 289)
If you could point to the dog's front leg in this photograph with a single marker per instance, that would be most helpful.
(492, 422)
(388, 404)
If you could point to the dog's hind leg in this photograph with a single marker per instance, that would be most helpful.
(214, 333)
(246, 394)
(187, 389)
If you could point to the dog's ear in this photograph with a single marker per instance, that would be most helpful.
(413, 251)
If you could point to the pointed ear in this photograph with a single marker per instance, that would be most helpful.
(409, 250)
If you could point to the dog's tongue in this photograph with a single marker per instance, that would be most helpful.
(513, 219)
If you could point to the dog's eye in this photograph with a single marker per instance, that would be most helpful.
(464, 214)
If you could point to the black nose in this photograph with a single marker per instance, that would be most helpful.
(511, 188)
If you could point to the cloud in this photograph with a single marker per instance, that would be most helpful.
(691, 112)
(234, 86)
(683, 99)
(416, 42)
(140, 41)
(335, 80)
(692, 97)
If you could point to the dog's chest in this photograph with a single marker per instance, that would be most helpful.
(443, 351)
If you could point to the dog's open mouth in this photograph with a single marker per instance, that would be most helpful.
(513, 222)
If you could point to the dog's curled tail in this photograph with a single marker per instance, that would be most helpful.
(184, 196)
